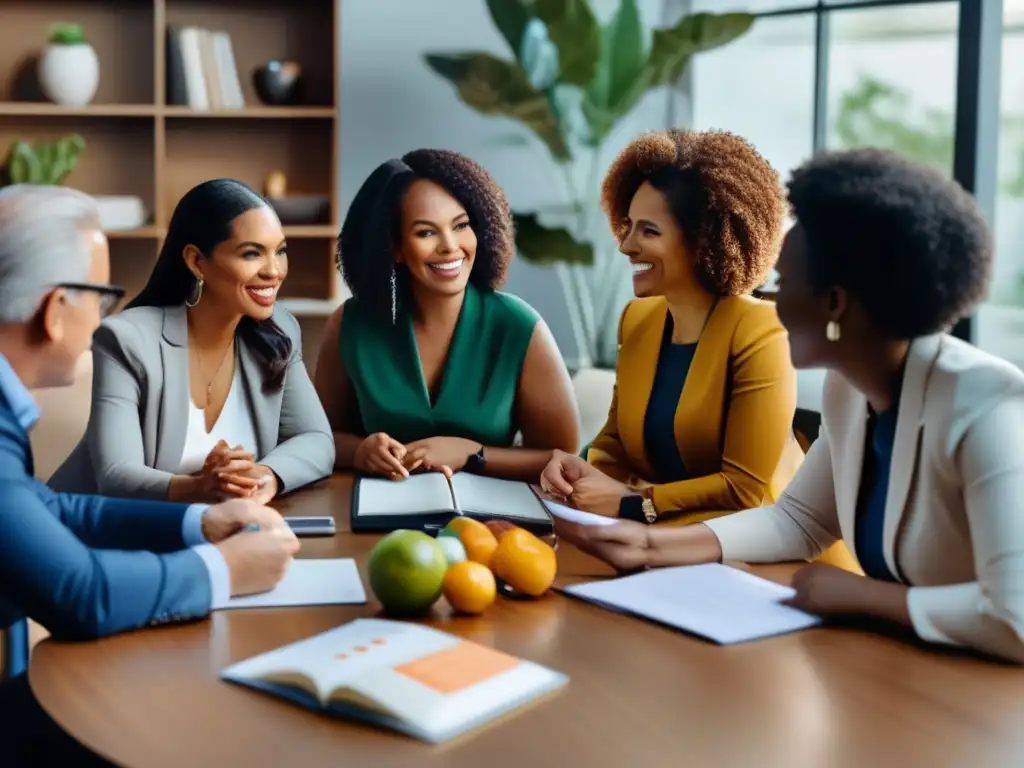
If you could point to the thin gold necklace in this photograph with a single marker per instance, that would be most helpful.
(209, 383)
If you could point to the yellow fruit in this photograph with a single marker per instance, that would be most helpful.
(525, 563)
(469, 587)
(476, 538)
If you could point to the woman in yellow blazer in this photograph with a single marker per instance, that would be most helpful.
(920, 464)
(700, 424)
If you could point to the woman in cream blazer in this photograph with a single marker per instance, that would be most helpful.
(199, 390)
(919, 467)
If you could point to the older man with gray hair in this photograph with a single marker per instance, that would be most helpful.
(88, 566)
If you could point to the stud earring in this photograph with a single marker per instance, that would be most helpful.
(198, 293)
(832, 332)
(394, 297)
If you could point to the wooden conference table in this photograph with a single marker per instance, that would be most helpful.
(639, 694)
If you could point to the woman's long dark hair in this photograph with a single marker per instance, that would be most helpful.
(203, 219)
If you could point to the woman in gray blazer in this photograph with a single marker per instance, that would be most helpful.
(199, 387)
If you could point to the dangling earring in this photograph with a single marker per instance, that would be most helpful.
(198, 294)
(394, 297)
(832, 331)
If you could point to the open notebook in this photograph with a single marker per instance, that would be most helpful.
(413, 679)
(427, 501)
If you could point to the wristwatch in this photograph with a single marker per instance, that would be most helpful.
(475, 463)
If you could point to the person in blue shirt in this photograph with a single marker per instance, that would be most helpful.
(89, 566)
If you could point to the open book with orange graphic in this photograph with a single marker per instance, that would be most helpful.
(414, 679)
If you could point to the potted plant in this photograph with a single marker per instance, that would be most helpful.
(68, 71)
(570, 81)
(44, 163)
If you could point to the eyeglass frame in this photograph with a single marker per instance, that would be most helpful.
(110, 295)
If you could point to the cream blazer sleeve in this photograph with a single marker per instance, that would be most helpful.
(802, 523)
(987, 614)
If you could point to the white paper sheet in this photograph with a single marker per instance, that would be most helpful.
(717, 602)
(309, 582)
(427, 492)
(577, 516)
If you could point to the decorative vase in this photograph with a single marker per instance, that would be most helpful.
(278, 83)
(69, 74)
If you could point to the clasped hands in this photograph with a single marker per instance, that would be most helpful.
(583, 485)
(381, 454)
(232, 472)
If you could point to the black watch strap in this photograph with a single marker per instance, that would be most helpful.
(475, 463)
(632, 508)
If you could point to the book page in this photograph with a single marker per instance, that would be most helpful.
(715, 601)
(498, 498)
(309, 582)
(416, 495)
(577, 515)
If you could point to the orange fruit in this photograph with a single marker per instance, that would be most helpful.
(524, 562)
(469, 587)
(476, 538)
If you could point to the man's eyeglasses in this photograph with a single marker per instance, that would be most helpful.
(110, 295)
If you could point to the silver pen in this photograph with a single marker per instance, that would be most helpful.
(455, 499)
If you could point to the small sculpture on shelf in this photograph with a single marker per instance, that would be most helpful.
(292, 208)
(278, 83)
(44, 163)
(68, 71)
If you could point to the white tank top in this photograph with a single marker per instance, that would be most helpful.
(234, 426)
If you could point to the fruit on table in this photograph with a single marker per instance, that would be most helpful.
(453, 549)
(470, 587)
(407, 570)
(524, 562)
(476, 537)
(499, 527)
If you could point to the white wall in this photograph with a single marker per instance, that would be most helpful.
(392, 103)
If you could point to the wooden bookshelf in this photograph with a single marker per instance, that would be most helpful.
(139, 144)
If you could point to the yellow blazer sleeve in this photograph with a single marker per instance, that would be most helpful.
(606, 451)
(759, 423)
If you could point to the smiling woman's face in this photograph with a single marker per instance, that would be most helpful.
(244, 273)
(436, 242)
(655, 245)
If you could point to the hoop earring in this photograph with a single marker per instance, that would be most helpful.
(832, 332)
(394, 297)
(198, 293)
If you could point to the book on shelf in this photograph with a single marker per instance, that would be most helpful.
(428, 501)
(201, 70)
(409, 678)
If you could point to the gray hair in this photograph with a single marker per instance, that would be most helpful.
(42, 244)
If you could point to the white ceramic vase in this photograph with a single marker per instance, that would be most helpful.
(69, 74)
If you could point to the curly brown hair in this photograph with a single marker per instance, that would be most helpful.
(366, 244)
(726, 198)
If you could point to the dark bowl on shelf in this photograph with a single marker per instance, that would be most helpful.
(302, 209)
(278, 83)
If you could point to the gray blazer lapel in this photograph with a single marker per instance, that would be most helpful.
(175, 393)
(265, 407)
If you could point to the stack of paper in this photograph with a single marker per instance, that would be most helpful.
(722, 604)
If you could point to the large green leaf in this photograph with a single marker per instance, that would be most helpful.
(544, 246)
(574, 29)
(496, 87)
(672, 48)
(625, 53)
(618, 70)
(510, 17)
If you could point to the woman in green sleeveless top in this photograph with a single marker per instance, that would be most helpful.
(427, 365)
